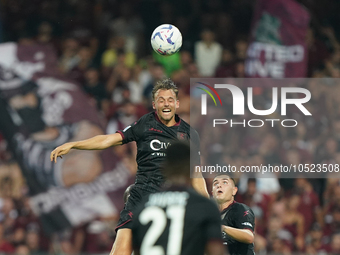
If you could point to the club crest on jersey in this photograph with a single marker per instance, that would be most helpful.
(182, 136)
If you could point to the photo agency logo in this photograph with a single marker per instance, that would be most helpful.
(238, 105)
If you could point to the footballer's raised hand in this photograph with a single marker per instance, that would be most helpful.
(60, 150)
(98, 142)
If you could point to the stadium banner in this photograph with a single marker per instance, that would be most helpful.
(277, 46)
(41, 110)
(266, 128)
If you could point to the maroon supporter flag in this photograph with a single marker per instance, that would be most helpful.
(41, 110)
(278, 48)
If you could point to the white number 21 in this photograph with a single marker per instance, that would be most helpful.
(159, 220)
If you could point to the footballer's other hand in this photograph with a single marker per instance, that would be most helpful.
(60, 150)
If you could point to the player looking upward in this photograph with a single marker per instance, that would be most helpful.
(153, 133)
(238, 220)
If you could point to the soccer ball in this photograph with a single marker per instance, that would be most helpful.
(166, 40)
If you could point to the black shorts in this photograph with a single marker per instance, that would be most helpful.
(137, 192)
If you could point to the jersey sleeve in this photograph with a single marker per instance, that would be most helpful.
(213, 223)
(244, 219)
(132, 132)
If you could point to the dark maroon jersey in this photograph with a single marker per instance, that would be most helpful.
(238, 215)
(153, 138)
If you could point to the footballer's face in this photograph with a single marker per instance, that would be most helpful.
(223, 189)
(165, 104)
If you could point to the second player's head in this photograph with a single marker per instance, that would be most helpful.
(165, 100)
(224, 188)
(176, 166)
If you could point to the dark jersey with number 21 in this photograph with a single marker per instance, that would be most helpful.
(175, 222)
(238, 215)
(153, 138)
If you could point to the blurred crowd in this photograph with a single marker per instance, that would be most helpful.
(104, 46)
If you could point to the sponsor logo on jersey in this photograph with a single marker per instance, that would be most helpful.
(156, 130)
(159, 154)
(157, 145)
(247, 224)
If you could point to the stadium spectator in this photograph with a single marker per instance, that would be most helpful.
(22, 249)
(294, 222)
(85, 61)
(32, 241)
(227, 66)
(332, 223)
(241, 46)
(129, 26)
(277, 246)
(331, 197)
(309, 205)
(117, 84)
(277, 236)
(69, 58)
(316, 242)
(98, 238)
(45, 35)
(258, 202)
(208, 54)
(157, 73)
(317, 52)
(122, 115)
(94, 87)
(335, 244)
(5, 246)
(110, 56)
(268, 184)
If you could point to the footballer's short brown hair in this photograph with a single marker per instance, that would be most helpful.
(231, 178)
(164, 84)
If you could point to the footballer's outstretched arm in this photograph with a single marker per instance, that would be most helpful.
(98, 142)
(241, 235)
(199, 184)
